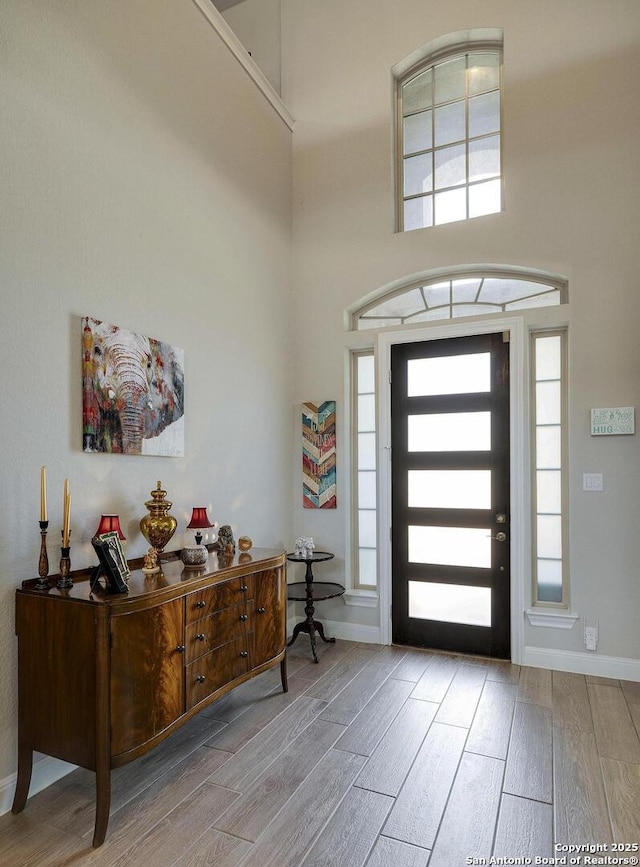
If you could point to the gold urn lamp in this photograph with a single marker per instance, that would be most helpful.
(158, 526)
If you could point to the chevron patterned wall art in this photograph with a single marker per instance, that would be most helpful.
(319, 455)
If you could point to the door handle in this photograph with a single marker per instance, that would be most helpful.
(499, 537)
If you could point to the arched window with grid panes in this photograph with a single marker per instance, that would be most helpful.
(449, 129)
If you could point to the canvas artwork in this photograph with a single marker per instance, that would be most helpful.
(132, 392)
(319, 455)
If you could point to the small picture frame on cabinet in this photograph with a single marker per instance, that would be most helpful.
(113, 565)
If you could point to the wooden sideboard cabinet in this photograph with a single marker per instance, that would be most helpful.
(104, 678)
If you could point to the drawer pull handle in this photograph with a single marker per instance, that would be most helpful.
(200, 678)
(180, 648)
(201, 636)
(244, 653)
(261, 610)
(243, 617)
(200, 604)
(244, 588)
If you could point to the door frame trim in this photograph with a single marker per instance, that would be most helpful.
(519, 465)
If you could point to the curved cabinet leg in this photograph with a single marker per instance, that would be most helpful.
(25, 766)
(283, 674)
(103, 805)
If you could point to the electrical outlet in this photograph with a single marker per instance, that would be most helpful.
(591, 637)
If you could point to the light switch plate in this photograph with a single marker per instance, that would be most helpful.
(592, 482)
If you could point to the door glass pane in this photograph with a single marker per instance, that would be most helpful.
(451, 603)
(450, 546)
(450, 432)
(449, 374)
(449, 489)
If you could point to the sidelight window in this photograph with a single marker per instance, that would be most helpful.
(549, 482)
(365, 549)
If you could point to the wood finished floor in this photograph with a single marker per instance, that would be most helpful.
(384, 757)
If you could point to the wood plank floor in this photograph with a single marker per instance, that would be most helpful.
(384, 757)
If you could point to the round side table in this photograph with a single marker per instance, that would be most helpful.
(309, 592)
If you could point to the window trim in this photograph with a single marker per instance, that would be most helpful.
(445, 48)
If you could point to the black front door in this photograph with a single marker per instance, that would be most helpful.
(450, 494)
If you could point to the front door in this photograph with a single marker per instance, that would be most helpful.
(450, 494)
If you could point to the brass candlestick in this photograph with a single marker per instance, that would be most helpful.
(64, 580)
(43, 582)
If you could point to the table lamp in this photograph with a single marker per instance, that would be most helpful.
(110, 524)
(197, 557)
(199, 521)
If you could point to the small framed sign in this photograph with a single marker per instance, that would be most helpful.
(613, 421)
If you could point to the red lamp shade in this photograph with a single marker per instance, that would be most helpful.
(199, 521)
(110, 524)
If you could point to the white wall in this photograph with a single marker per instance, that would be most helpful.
(146, 182)
(571, 137)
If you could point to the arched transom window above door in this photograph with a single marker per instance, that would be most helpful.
(475, 293)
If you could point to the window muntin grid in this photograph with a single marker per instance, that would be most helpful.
(549, 470)
(449, 131)
(471, 295)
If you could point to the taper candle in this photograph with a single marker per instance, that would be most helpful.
(66, 513)
(43, 493)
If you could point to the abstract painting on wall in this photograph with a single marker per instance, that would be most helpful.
(319, 455)
(132, 392)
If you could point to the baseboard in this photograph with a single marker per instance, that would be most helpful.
(46, 771)
(616, 667)
(343, 630)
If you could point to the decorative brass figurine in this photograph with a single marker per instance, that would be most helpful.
(158, 526)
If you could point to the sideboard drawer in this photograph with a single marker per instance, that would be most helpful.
(217, 629)
(204, 602)
(215, 669)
